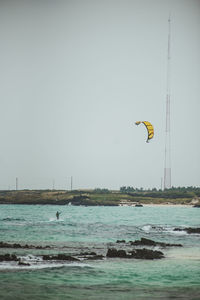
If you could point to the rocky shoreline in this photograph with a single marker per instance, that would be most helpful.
(137, 249)
(122, 249)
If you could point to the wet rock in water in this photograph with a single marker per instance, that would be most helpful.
(144, 241)
(189, 230)
(7, 245)
(146, 254)
(148, 242)
(95, 257)
(193, 230)
(8, 257)
(112, 252)
(88, 253)
(60, 257)
(137, 254)
(16, 246)
(120, 241)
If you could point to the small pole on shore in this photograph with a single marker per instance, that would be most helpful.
(71, 183)
(53, 187)
(16, 183)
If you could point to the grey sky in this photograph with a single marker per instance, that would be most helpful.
(76, 75)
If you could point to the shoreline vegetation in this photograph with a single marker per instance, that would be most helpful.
(126, 196)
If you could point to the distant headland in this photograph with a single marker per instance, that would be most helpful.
(126, 196)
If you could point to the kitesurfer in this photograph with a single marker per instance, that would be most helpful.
(58, 214)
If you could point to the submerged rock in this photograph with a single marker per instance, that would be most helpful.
(137, 254)
(8, 257)
(148, 242)
(60, 257)
(95, 257)
(112, 252)
(16, 246)
(120, 241)
(88, 253)
(188, 230)
(146, 254)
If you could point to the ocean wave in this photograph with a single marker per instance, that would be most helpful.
(174, 232)
(12, 219)
(153, 228)
(168, 229)
(39, 264)
(147, 228)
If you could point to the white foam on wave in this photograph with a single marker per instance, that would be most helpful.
(147, 228)
(55, 220)
(38, 266)
(176, 232)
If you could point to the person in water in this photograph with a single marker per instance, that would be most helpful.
(58, 214)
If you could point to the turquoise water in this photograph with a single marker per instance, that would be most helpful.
(96, 229)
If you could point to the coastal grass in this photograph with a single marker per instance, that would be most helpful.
(91, 197)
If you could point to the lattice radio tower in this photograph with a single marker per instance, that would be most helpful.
(167, 167)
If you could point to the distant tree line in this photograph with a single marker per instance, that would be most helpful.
(174, 192)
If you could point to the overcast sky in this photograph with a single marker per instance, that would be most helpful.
(75, 76)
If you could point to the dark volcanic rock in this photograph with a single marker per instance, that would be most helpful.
(137, 254)
(193, 230)
(95, 257)
(146, 254)
(59, 257)
(120, 241)
(112, 252)
(144, 241)
(188, 230)
(8, 257)
(148, 242)
(7, 245)
(88, 253)
(16, 246)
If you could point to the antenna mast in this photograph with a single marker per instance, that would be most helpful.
(167, 167)
(71, 183)
(16, 183)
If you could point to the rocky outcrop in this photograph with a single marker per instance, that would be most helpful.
(120, 241)
(148, 242)
(8, 257)
(188, 230)
(95, 257)
(88, 253)
(146, 254)
(136, 253)
(16, 245)
(60, 257)
(112, 252)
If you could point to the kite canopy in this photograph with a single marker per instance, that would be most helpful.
(149, 128)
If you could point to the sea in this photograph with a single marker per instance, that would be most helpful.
(82, 229)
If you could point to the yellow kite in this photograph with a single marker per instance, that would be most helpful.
(149, 128)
